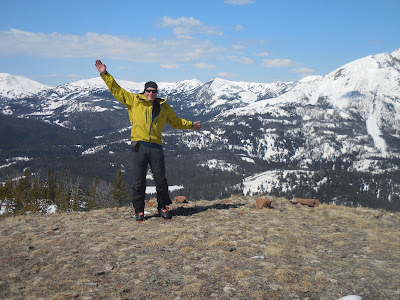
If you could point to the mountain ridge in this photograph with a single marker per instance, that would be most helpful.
(347, 120)
(15, 86)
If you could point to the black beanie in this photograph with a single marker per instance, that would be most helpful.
(150, 84)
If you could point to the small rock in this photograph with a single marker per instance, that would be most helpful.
(263, 203)
(315, 261)
(350, 297)
(214, 295)
(308, 202)
(180, 199)
(258, 257)
(109, 268)
(91, 284)
(229, 289)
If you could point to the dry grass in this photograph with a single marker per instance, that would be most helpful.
(223, 249)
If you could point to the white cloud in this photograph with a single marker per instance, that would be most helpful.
(304, 72)
(74, 76)
(185, 27)
(239, 2)
(204, 66)
(277, 63)
(226, 74)
(241, 60)
(169, 66)
(263, 54)
(238, 47)
(94, 45)
(238, 27)
(123, 67)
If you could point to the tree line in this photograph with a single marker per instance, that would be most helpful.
(32, 194)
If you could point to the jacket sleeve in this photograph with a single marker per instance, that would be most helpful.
(118, 92)
(176, 122)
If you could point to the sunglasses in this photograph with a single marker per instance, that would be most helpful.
(151, 91)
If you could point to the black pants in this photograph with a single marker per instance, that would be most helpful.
(142, 157)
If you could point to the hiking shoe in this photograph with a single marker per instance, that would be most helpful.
(139, 217)
(165, 213)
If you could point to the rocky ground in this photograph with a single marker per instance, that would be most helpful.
(222, 249)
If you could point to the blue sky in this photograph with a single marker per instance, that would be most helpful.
(56, 42)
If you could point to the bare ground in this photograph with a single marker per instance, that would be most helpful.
(223, 249)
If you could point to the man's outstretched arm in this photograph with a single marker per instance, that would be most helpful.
(118, 92)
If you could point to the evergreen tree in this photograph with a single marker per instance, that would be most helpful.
(20, 193)
(4, 201)
(120, 195)
(77, 196)
(63, 194)
(65, 200)
(59, 196)
(6, 198)
(51, 187)
(92, 196)
(99, 195)
(3, 192)
(33, 199)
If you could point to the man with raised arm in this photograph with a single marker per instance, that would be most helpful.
(148, 115)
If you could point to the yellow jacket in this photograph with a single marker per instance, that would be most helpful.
(144, 127)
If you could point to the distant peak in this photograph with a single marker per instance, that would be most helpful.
(396, 53)
(15, 86)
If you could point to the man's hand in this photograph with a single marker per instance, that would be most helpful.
(100, 66)
(196, 125)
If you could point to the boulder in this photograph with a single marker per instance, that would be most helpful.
(263, 203)
(308, 202)
(180, 199)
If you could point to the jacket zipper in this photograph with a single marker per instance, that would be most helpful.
(151, 123)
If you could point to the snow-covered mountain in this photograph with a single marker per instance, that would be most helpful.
(347, 120)
(222, 95)
(269, 133)
(16, 87)
(362, 97)
(66, 103)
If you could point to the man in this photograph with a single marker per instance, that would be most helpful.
(147, 114)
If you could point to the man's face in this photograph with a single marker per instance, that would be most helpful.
(150, 93)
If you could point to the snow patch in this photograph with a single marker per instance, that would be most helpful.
(15, 160)
(217, 164)
(375, 133)
(152, 189)
(94, 150)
